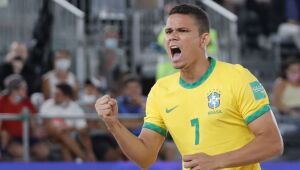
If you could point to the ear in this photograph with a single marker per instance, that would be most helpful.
(205, 39)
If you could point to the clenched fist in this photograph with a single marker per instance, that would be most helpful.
(107, 108)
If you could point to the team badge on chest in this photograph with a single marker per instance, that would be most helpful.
(214, 99)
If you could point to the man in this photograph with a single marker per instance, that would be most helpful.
(131, 100)
(60, 129)
(217, 113)
(15, 101)
(16, 62)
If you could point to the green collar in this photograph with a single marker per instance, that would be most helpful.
(202, 79)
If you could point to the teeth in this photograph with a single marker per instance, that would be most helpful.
(174, 46)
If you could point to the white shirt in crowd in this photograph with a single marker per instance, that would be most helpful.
(49, 108)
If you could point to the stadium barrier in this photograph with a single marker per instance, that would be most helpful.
(25, 118)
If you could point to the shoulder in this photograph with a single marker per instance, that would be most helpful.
(279, 83)
(232, 68)
(48, 75)
(236, 72)
(28, 103)
(47, 104)
(167, 82)
(75, 107)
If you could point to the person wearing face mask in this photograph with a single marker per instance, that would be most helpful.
(286, 90)
(14, 101)
(89, 96)
(16, 63)
(60, 130)
(112, 62)
(60, 74)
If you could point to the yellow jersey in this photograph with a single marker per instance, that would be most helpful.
(210, 115)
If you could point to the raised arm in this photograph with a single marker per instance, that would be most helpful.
(266, 144)
(142, 150)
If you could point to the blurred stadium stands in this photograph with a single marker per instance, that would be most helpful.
(246, 34)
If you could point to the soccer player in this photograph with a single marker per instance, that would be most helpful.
(217, 113)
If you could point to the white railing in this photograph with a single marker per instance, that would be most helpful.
(69, 32)
(225, 23)
(25, 118)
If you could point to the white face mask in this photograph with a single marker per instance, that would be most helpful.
(111, 43)
(89, 99)
(62, 64)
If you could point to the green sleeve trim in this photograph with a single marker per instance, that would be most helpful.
(257, 114)
(155, 128)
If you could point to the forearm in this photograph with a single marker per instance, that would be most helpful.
(133, 147)
(261, 148)
(85, 139)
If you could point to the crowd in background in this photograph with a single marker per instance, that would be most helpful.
(58, 92)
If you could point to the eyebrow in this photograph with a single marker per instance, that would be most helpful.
(180, 28)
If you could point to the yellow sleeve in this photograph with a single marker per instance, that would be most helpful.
(252, 99)
(153, 119)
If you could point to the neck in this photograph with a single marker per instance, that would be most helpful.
(12, 98)
(196, 71)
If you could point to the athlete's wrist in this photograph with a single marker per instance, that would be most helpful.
(112, 124)
(219, 162)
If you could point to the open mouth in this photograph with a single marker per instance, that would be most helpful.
(175, 51)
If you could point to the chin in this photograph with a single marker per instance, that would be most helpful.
(177, 66)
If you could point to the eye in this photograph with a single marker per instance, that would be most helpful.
(183, 30)
(168, 31)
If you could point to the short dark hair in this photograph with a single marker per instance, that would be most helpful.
(130, 78)
(13, 82)
(66, 89)
(286, 64)
(64, 52)
(199, 14)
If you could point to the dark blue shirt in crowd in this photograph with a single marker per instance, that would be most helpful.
(292, 9)
(125, 106)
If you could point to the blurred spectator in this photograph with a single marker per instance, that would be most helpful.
(286, 90)
(113, 62)
(16, 63)
(131, 100)
(14, 101)
(87, 101)
(290, 30)
(89, 96)
(60, 129)
(60, 74)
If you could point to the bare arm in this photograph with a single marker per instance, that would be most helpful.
(75, 90)
(266, 144)
(46, 88)
(142, 150)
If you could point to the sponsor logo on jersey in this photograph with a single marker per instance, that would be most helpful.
(257, 90)
(168, 110)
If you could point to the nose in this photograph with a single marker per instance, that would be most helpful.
(172, 36)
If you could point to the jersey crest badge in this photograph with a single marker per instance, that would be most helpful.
(214, 100)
